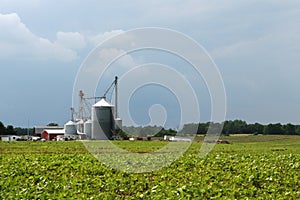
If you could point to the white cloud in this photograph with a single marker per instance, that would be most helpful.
(73, 40)
(115, 61)
(97, 39)
(18, 42)
(125, 61)
(20, 3)
(280, 47)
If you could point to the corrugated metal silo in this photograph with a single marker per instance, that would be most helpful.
(102, 120)
(88, 128)
(118, 123)
(70, 128)
(80, 125)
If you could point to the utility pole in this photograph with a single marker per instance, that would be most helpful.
(116, 97)
(28, 128)
(80, 109)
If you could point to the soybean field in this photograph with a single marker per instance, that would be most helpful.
(250, 167)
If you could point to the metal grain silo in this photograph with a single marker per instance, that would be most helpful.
(102, 120)
(88, 128)
(70, 128)
(80, 125)
(118, 124)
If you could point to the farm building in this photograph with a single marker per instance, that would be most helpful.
(37, 130)
(50, 134)
(9, 137)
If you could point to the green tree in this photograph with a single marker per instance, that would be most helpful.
(163, 132)
(150, 131)
(254, 128)
(2, 129)
(10, 130)
(289, 129)
(259, 128)
(52, 124)
(191, 128)
(234, 127)
(273, 129)
(297, 129)
(202, 128)
(23, 131)
(228, 127)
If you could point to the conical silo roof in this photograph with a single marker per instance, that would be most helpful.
(102, 103)
(70, 123)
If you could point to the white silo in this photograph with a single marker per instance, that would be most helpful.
(118, 123)
(70, 128)
(80, 126)
(102, 120)
(88, 128)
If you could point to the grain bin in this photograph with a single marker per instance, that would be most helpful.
(118, 124)
(80, 125)
(88, 128)
(70, 128)
(102, 120)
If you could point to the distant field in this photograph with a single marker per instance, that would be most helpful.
(266, 167)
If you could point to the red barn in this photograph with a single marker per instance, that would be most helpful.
(50, 134)
(37, 130)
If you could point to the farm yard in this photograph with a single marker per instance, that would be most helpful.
(251, 166)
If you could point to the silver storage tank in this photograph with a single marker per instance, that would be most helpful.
(118, 123)
(88, 129)
(80, 125)
(102, 120)
(70, 128)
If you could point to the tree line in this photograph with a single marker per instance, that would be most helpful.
(242, 127)
(11, 130)
(229, 127)
(157, 131)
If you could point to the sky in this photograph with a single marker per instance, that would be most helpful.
(255, 45)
